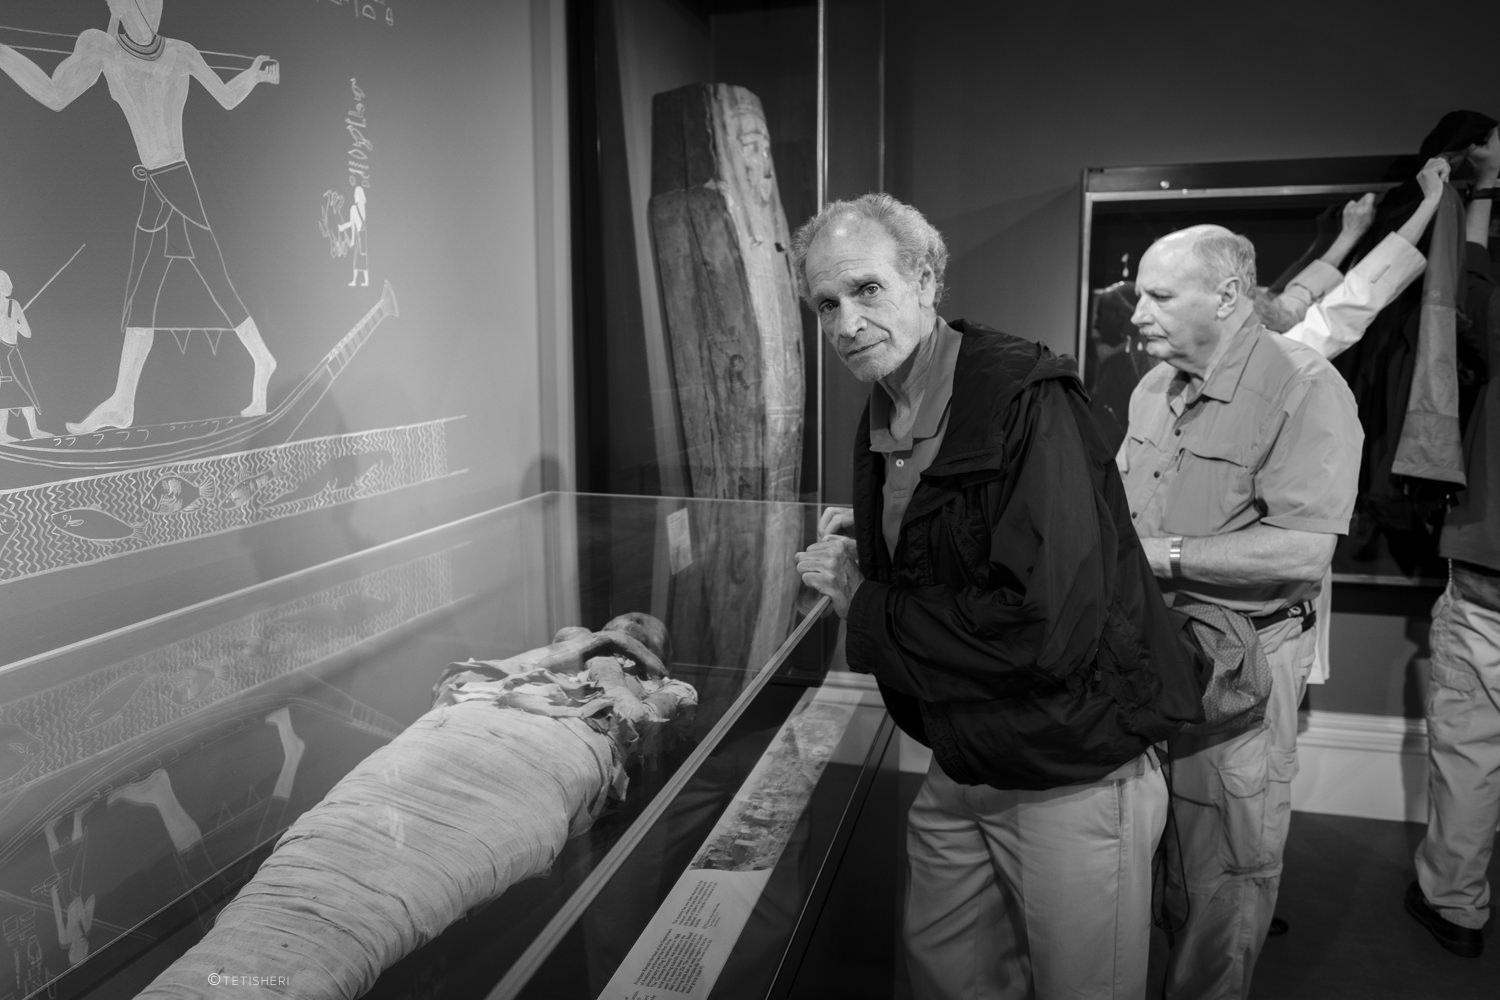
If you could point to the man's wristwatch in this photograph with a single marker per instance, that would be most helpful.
(1174, 556)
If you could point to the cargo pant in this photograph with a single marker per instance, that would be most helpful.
(1232, 806)
(1463, 747)
(1033, 895)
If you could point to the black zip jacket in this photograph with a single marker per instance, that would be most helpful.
(1019, 631)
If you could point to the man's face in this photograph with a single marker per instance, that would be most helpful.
(1174, 312)
(872, 314)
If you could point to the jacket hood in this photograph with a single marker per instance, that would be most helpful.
(992, 371)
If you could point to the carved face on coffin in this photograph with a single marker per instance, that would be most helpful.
(748, 129)
(749, 177)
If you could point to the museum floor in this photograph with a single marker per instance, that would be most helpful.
(1349, 938)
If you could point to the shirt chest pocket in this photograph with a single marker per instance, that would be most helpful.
(1214, 489)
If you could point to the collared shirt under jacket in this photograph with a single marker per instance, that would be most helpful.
(1017, 630)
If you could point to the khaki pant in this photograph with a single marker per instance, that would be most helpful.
(1232, 804)
(1033, 894)
(1463, 748)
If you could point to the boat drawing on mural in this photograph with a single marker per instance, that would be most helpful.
(195, 466)
(156, 444)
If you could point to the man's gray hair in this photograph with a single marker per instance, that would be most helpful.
(918, 243)
(1223, 254)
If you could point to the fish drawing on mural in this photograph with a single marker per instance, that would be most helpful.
(185, 686)
(256, 647)
(342, 473)
(359, 608)
(92, 524)
(348, 611)
(315, 616)
(191, 683)
(17, 748)
(110, 702)
(245, 492)
(178, 495)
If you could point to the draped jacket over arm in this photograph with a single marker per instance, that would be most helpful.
(1018, 630)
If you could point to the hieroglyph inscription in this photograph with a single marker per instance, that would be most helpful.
(367, 10)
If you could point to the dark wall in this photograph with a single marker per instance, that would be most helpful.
(995, 109)
(987, 115)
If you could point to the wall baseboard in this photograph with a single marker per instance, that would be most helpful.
(1370, 766)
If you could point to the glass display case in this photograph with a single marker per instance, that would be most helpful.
(145, 773)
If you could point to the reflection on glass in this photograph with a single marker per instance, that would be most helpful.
(145, 774)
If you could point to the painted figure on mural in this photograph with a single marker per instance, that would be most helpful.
(148, 77)
(359, 240)
(16, 393)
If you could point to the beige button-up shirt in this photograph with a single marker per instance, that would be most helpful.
(1270, 435)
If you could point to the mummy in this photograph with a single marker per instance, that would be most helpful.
(482, 791)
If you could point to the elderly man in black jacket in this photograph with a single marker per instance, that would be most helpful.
(991, 581)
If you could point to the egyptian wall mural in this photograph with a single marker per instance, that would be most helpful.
(263, 323)
(243, 256)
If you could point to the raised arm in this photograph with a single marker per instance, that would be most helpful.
(1340, 319)
(263, 70)
(1486, 160)
(72, 77)
(1357, 217)
(1312, 282)
(1433, 176)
